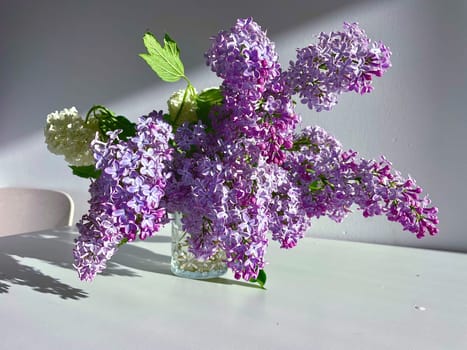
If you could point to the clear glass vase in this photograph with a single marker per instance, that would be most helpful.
(185, 264)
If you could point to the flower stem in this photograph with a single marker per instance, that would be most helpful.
(179, 112)
(96, 108)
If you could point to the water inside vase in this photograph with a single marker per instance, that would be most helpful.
(185, 264)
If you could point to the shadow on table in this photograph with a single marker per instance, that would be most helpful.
(221, 280)
(55, 247)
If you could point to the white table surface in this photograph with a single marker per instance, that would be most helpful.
(322, 294)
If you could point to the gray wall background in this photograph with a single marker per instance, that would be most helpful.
(57, 54)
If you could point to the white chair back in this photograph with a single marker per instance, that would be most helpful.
(32, 209)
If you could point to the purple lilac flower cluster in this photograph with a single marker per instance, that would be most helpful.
(245, 173)
(288, 220)
(378, 189)
(231, 199)
(339, 62)
(256, 104)
(223, 195)
(125, 199)
(246, 60)
(331, 181)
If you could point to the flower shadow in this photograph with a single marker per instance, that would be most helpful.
(222, 280)
(140, 259)
(13, 272)
(55, 247)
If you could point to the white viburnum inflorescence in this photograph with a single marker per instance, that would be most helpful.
(67, 134)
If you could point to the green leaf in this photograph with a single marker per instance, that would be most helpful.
(86, 171)
(303, 141)
(261, 279)
(210, 96)
(316, 185)
(205, 101)
(122, 242)
(164, 60)
(110, 123)
(326, 182)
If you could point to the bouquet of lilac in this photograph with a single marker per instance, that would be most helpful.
(231, 159)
